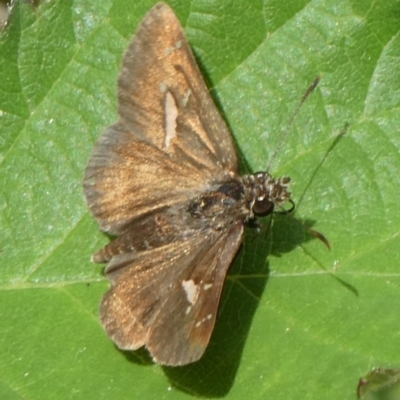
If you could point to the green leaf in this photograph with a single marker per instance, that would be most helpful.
(304, 323)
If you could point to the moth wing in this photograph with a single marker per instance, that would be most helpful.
(126, 180)
(167, 298)
(159, 63)
(170, 137)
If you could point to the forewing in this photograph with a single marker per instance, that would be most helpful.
(170, 138)
(167, 298)
(126, 179)
(160, 73)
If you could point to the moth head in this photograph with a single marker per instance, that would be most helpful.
(263, 206)
(266, 193)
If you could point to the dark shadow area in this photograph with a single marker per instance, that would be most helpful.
(140, 356)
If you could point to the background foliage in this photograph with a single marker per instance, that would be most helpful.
(305, 323)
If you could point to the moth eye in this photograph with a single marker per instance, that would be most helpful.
(263, 207)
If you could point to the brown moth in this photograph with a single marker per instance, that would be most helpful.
(164, 180)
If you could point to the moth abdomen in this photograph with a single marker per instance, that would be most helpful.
(144, 233)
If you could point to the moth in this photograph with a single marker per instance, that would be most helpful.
(164, 181)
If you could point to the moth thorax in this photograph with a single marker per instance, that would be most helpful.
(264, 193)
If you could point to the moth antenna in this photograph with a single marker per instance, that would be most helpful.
(294, 115)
